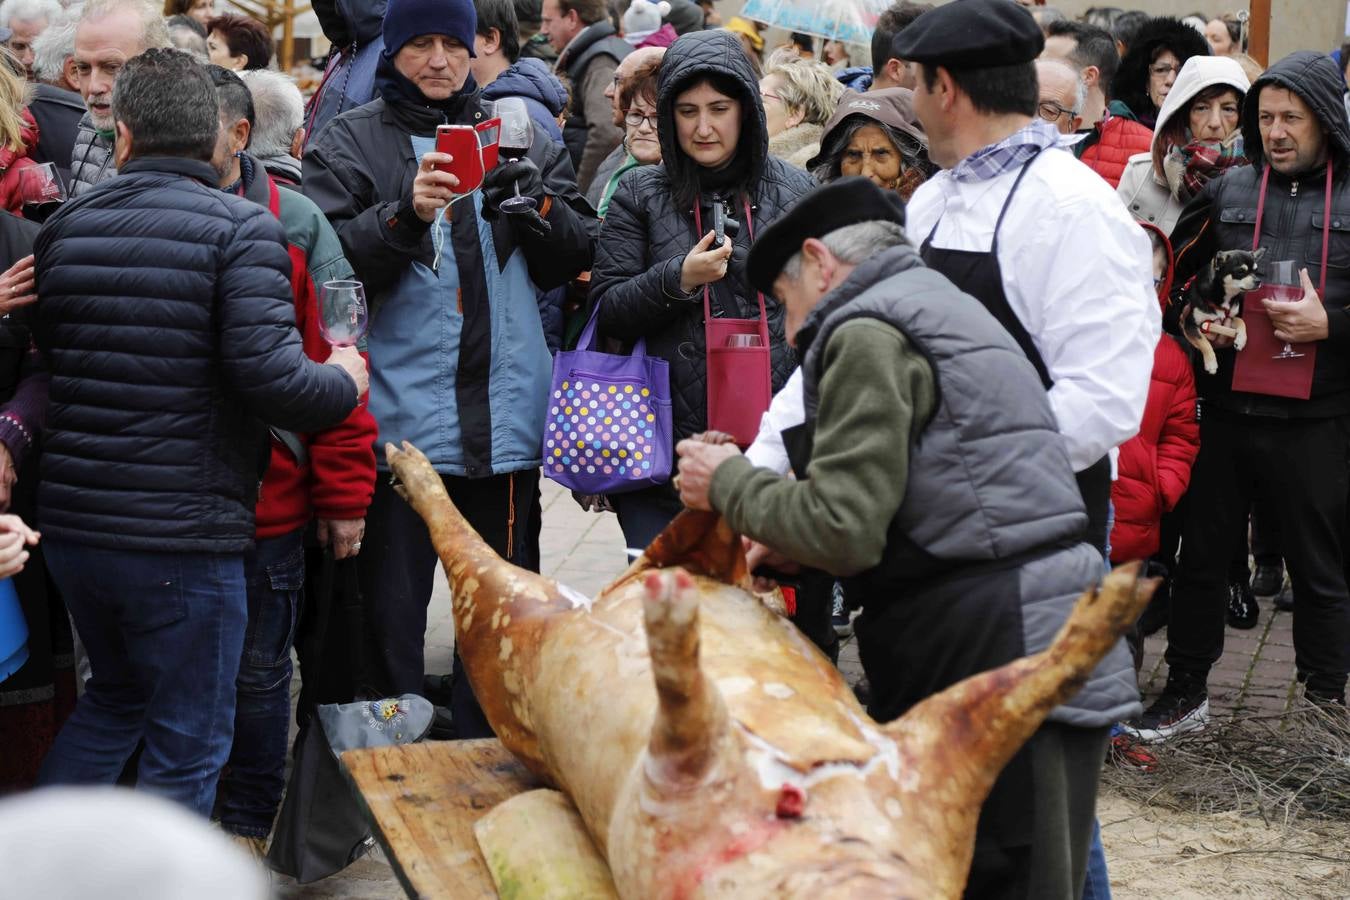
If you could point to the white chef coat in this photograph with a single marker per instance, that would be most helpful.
(1077, 272)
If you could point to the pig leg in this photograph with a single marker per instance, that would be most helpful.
(958, 741)
(691, 719)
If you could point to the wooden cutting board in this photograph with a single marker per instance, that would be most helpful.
(423, 800)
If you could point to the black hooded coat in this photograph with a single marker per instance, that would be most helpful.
(1223, 214)
(647, 233)
(1130, 84)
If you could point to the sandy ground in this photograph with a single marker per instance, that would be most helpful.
(1156, 852)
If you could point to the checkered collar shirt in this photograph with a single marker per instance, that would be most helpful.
(1008, 154)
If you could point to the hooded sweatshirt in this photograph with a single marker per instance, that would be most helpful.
(544, 95)
(1222, 215)
(1143, 187)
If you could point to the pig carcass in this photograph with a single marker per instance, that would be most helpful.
(710, 749)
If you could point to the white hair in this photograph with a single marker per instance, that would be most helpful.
(853, 243)
(155, 34)
(29, 11)
(54, 46)
(278, 111)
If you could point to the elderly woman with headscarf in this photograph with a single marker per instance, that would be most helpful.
(875, 135)
(1197, 137)
(799, 96)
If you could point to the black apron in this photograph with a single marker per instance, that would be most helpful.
(979, 275)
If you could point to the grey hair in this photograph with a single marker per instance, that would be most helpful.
(185, 38)
(808, 87)
(167, 101)
(155, 34)
(829, 164)
(852, 244)
(1079, 93)
(53, 47)
(279, 109)
(29, 11)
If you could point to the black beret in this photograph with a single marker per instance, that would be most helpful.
(971, 34)
(847, 201)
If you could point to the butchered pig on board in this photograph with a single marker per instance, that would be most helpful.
(709, 748)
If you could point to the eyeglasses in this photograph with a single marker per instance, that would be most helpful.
(636, 120)
(1051, 111)
(1162, 70)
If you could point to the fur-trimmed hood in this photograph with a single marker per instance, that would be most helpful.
(1315, 78)
(1130, 86)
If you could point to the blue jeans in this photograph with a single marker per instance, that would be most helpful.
(163, 632)
(251, 790)
(1097, 885)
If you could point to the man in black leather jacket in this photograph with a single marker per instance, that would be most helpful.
(1296, 134)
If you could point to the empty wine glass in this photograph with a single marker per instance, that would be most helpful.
(516, 136)
(1283, 285)
(40, 185)
(343, 317)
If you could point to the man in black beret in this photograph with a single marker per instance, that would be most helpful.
(931, 478)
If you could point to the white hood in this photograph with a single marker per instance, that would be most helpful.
(1198, 73)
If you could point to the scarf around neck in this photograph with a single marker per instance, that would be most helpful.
(1189, 168)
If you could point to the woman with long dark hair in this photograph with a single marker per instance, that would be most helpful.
(657, 264)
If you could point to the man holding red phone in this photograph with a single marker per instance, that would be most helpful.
(459, 364)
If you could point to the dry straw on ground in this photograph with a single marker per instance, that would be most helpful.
(1281, 768)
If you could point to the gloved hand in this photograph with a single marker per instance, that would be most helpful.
(504, 181)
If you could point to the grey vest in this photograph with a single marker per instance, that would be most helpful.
(91, 161)
(990, 488)
(599, 39)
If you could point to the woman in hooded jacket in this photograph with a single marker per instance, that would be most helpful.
(1198, 137)
(654, 266)
(1151, 65)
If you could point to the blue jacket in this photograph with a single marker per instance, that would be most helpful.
(168, 326)
(535, 83)
(459, 364)
(349, 78)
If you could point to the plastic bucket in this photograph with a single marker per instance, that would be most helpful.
(13, 631)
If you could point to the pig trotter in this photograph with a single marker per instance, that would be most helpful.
(691, 719)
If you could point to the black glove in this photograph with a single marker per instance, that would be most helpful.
(503, 182)
(506, 179)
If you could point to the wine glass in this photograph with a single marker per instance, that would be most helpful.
(516, 136)
(40, 186)
(343, 317)
(1283, 285)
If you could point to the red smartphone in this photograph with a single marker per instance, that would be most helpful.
(471, 157)
(461, 142)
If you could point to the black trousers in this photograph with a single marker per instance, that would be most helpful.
(398, 564)
(1304, 464)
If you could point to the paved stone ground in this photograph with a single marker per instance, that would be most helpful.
(586, 550)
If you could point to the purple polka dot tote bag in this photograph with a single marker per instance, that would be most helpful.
(608, 428)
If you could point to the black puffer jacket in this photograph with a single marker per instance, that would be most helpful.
(1130, 84)
(1222, 216)
(166, 317)
(646, 235)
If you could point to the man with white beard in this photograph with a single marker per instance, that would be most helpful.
(109, 33)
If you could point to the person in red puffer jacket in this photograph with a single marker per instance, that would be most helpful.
(1154, 468)
(327, 476)
(18, 137)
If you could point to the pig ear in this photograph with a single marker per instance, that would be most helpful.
(691, 719)
(700, 542)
